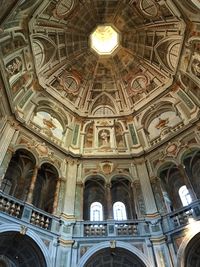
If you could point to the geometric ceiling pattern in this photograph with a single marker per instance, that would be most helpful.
(141, 68)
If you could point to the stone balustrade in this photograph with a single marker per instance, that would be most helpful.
(181, 217)
(28, 213)
(167, 223)
(10, 206)
(111, 228)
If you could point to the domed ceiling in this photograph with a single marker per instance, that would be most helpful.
(99, 76)
(116, 83)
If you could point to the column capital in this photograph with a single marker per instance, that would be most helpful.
(72, 161)
(154, 179)
(80, 183)
(135, 183)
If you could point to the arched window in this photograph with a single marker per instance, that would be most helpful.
(96, 212)
(184, 195)
(119, 211)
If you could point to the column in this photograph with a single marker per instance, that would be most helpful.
(32, 185)
(56, 196)
(79, 200)
(156, 187)
(5, 163)
(187, 182)
(109, 202)
(5, 140)
(146, 187)
(70, 189)
(139, 200)
(162, 255)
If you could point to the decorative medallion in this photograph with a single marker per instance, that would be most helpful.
(107, 167)
(171, 148)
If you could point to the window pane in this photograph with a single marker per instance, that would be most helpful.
(184, 195)
(96, 211)
(119, 211)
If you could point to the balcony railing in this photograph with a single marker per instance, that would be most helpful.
(180, 218)
(166, 224)
(28, 213)
(111, 228)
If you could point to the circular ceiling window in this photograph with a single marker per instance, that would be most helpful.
(63, 7)
(104, 40)
(138, 84)
(149, 8)
(70, 84)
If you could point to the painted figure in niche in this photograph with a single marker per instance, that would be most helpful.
(14, 66)
(119, 136)
(89, 136)
(104, 138)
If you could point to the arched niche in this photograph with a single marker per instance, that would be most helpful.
(49, 123)
(192, 255)
(43, 50)
(121, 191)
(94, 191)
(107, 101)
(20, 250)
(160, 119)
(19, 173)
(45, 187)
(167, 51)
(114, 257)
(191, 162)
(173, 178)
(119, 136)
(136, 255)
(188, 252)
(89, 135)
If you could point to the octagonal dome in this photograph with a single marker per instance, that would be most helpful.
(104, 40)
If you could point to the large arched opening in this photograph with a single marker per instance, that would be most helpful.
(17, 250)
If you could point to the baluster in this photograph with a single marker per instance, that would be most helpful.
(7, 206)
(46, 225)
(42, 221)
(1, 204)
(17, 211)
(37, 219)
(12, 209)
(33, 217)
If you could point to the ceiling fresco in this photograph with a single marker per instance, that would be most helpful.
(68, 68)
(126, 100)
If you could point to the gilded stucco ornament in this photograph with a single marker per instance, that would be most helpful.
(171, 150)
(23, 229)
(14, 66)
(106, 167)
